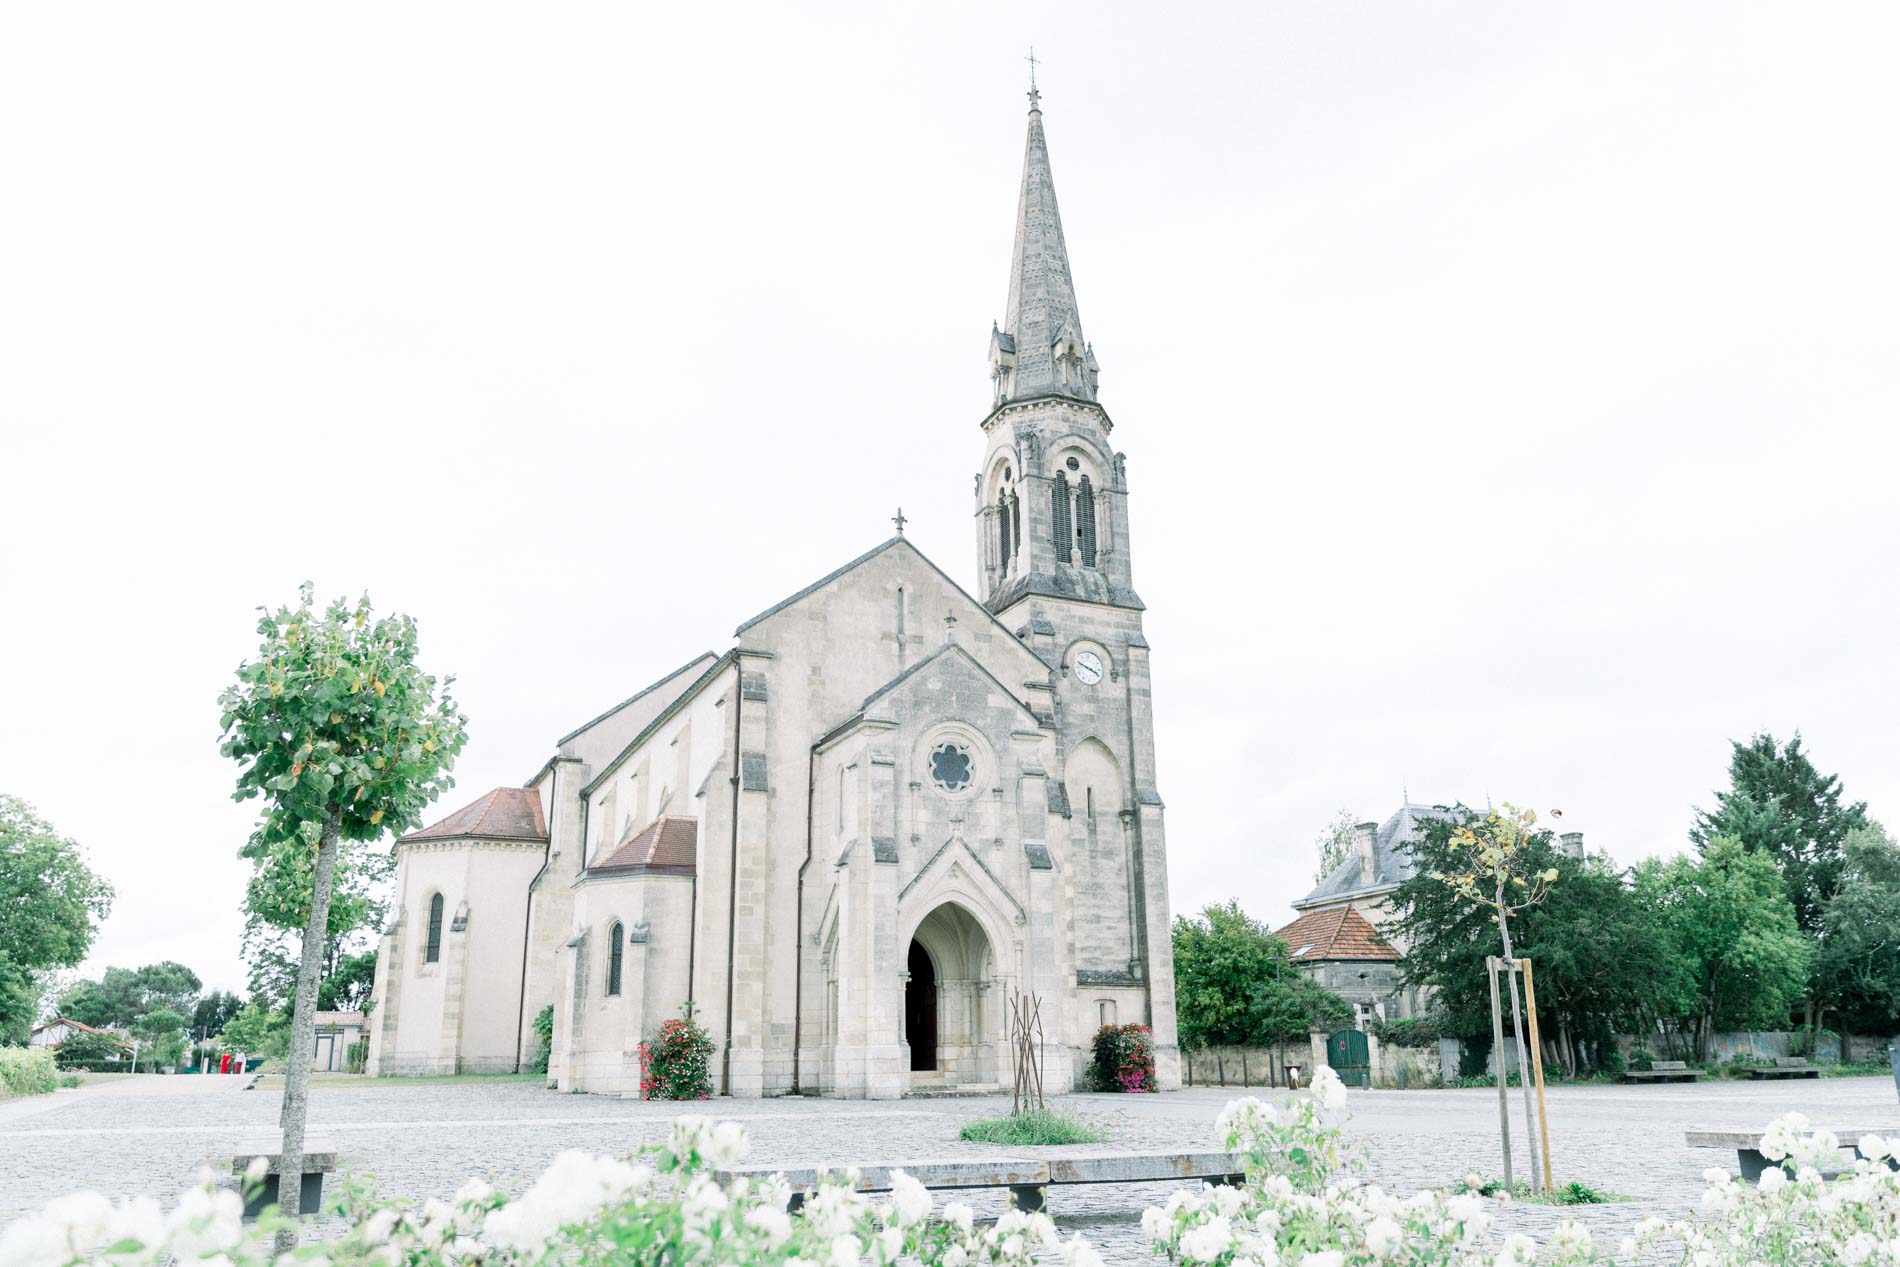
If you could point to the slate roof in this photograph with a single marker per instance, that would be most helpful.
(669, 845)
(1341, 933)
(507, 813)
(1392, 863)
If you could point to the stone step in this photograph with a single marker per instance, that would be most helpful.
(938, 1089)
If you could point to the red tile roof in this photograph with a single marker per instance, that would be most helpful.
(1341, 933)
(669, 843)
(507, 813)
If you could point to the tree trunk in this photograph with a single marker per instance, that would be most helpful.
(303, 1031)
(1523, 1060)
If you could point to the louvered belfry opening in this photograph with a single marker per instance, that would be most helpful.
(1063, 530)
(1085, 522)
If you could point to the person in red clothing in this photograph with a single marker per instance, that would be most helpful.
(224, 1063)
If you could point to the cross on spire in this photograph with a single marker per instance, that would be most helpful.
(1035, 97)
(899, 520)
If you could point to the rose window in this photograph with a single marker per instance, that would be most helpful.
(950, 767)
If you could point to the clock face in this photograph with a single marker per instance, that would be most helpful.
(1088, 668)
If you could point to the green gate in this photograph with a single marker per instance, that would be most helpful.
(1350, 1058)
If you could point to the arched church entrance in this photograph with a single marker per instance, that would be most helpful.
(920, 1009)
(950, 1017)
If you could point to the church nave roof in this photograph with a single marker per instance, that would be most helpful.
(507, 813)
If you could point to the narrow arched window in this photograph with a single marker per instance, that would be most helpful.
(1085, 522)
(1002, 529)
(616, 949)
(1063, 528)
(433, 953)
(1016, 519)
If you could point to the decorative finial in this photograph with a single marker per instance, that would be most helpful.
(1035, 97)
(949, 629)
(899, 520)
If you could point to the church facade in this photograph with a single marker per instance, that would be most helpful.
(847, 842)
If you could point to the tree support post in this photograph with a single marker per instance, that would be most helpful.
(1537, 1066)
(1497, 1059)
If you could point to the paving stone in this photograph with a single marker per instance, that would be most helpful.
(421, 1139)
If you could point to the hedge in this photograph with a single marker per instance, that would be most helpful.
(26, 1071)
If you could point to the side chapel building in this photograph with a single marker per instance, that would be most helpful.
(850, 839)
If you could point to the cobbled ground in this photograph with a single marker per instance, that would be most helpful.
(420, 1139)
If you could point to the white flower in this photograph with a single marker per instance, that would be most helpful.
(727, 1146)
(1572, 1236)
(1772, 1180)
(955, 1256)
(473, 1190)
(1519, 1251)
(1382, 1237)
(1077, 1252)
(1859, 1248)
(845, 1252)
(688, 1137)
(1208, 1241)
(890, 1243)
(1326, 1257)
(774, 1224)
(960, 1215)
(910, 1199)
(380, 1225)
(1874, 1148)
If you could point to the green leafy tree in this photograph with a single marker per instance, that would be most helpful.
(341, 734)
(51, 905)
(1728, 916)
(1778, 804)
(121, 995)
(273, 925)
(1334, 845)
(1858, 955)
(214, 1009)
(255, 1028)
(162, 1035)
(86, 1051)
(1235, 985)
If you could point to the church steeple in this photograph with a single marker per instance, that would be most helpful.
(1040, 350)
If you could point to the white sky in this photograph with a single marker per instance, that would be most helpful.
(1509, 390)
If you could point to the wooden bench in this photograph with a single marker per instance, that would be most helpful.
(1663, 1071)
(319, 1159)
(1786, 1067)
(1025, 1177)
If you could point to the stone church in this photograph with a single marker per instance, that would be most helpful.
(849, 840)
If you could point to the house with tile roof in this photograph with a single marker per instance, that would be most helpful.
(848, 840)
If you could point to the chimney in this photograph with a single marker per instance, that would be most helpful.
(1364, 835)
(1572, 842)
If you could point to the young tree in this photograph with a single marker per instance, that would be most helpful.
(1498, 871)
(1778, 804)
(121, 995)
(162, 1035)
(1334, 845)
(344, 737)
(1728, 915)
(53, 905)
(213, 1010)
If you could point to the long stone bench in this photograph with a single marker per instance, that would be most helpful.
(1664, 1071)
(1025, 1177)
(1747, 1146)
(1786, 1067)
(319, 1159)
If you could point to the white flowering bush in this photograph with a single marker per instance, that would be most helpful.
(1303, 1206)
(661, 1206)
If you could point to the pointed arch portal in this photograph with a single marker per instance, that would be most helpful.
(946, 996)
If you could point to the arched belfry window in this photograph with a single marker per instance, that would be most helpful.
(616, 951)
(1085, 522)
(1063, 529)
(433, 952)
(1003, 537)
(1016, 518)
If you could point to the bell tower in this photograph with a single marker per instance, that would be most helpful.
(1052, 495)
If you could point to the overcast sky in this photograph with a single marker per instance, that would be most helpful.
(1509, 391)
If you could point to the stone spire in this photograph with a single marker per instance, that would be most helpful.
(1040, 350)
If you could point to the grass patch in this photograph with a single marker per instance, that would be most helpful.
(1575, 1192)
(1033, 1126)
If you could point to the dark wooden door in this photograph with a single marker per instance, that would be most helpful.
(920, 1010)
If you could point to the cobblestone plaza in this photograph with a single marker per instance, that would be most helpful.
(420, 1139)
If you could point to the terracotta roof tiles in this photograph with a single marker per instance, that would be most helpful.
(507, 813)
(1341, 933)
(670, 843)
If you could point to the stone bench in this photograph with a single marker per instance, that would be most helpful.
(319, 1159)
(1025, 1177)
(1786, 1067)
(1747, 1146)
(1664, 1071)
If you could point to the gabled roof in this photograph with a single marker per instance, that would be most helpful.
(946, 649)
(634, 698)
(113, 1035)
(669, 844)
(1391, 859)
(507, 813)
(1334, 935)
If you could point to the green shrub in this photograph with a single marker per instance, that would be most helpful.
(544, 1029)
(27, 1071)
(356, 1056)
(68, 1081)
(1413, 1031)
(1031, 1126)
(677, 1064)
(1124, 1059)
(1804, 1040)
(1640, 1060)
(1474, 1058)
